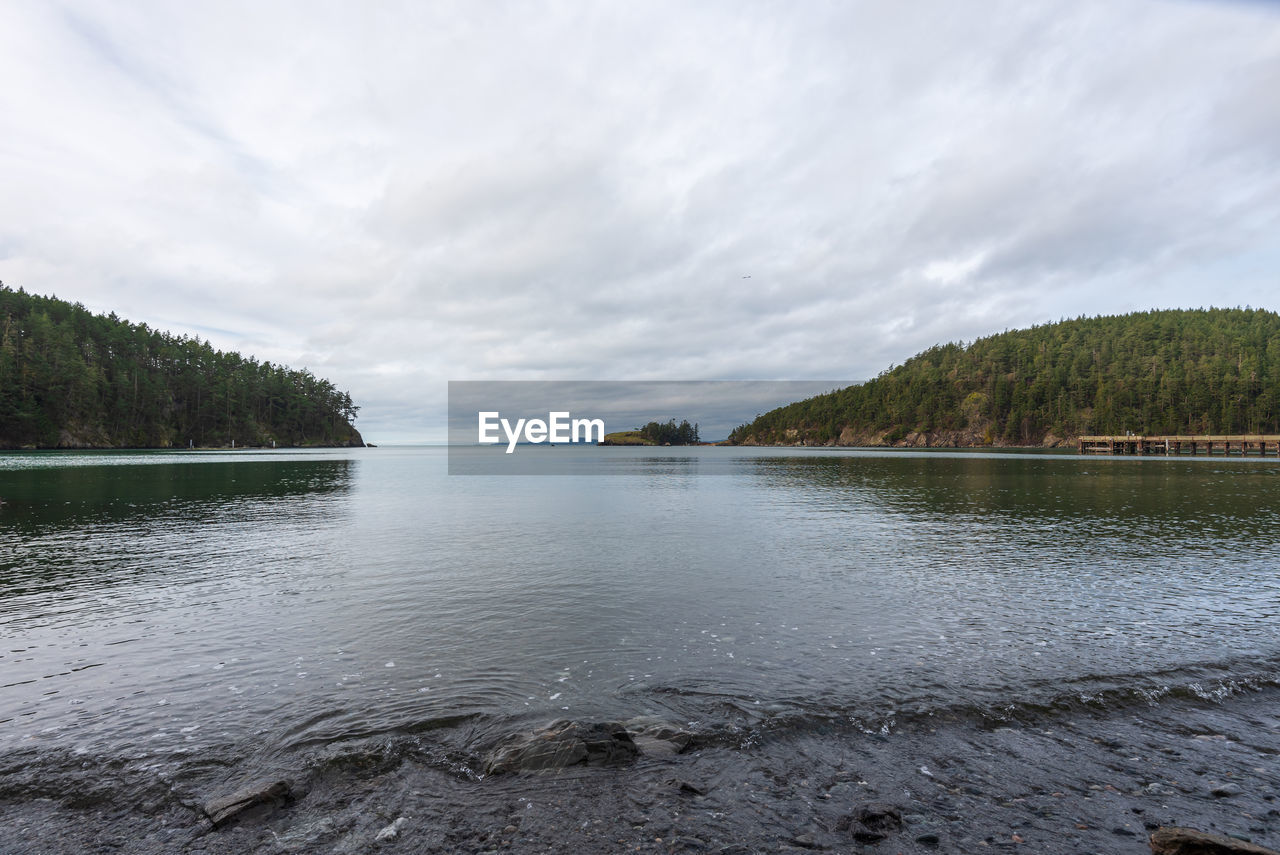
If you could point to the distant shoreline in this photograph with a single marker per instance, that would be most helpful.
(178, 447)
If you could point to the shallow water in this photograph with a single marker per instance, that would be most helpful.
(247, 608)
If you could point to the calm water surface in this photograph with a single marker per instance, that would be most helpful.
(167, 605)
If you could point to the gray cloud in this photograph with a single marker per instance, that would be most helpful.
(406, 194)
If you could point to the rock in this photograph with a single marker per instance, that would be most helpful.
(879, 816)
(657, 738)
(1188, 841)
(866, 835)
(687, 787)
(933, 841)
(1226, 791)
(226, 808)
(560, 744)
(392, 831)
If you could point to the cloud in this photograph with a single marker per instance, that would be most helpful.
(405, 194)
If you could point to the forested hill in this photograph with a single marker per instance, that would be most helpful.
(1214, 371)
(73, 379)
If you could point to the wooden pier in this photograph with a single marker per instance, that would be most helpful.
(1243, 445)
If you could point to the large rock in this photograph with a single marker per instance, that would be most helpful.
(879, 816)
(1188, 841)
(876, 820)
(561, 744)
(655, 737)
(226, 808)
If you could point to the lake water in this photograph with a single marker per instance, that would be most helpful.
(178, 611)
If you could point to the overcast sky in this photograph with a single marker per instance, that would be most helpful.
(396, 196)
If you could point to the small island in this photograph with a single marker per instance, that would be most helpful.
(656, 433)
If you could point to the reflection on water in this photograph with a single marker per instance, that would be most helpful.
(61, 521)
(50, 497)
(168, 607)
(1048, 488)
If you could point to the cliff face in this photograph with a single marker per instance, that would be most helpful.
(351, 440)
(913, 439)
(96, 440)
(90, 437)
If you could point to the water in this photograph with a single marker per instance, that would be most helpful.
(252, 608)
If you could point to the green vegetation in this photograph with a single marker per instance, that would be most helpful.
(1214, 371)
(656, 433)
(70, 378)
(626, 437)
(671, 433)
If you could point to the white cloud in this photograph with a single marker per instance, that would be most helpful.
(397, 195)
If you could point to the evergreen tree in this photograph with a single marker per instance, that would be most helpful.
(671, 433)
(69, 377)
(1159, 372)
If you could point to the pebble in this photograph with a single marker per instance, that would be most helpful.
(392, 831)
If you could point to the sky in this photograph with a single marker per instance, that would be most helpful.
(395, 196)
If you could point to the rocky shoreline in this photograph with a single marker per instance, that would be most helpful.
(73, 444)
(1077, 783)
(969, 438)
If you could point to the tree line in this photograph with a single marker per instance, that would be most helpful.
(71, 378)
(1202, 371)
(669, 433)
